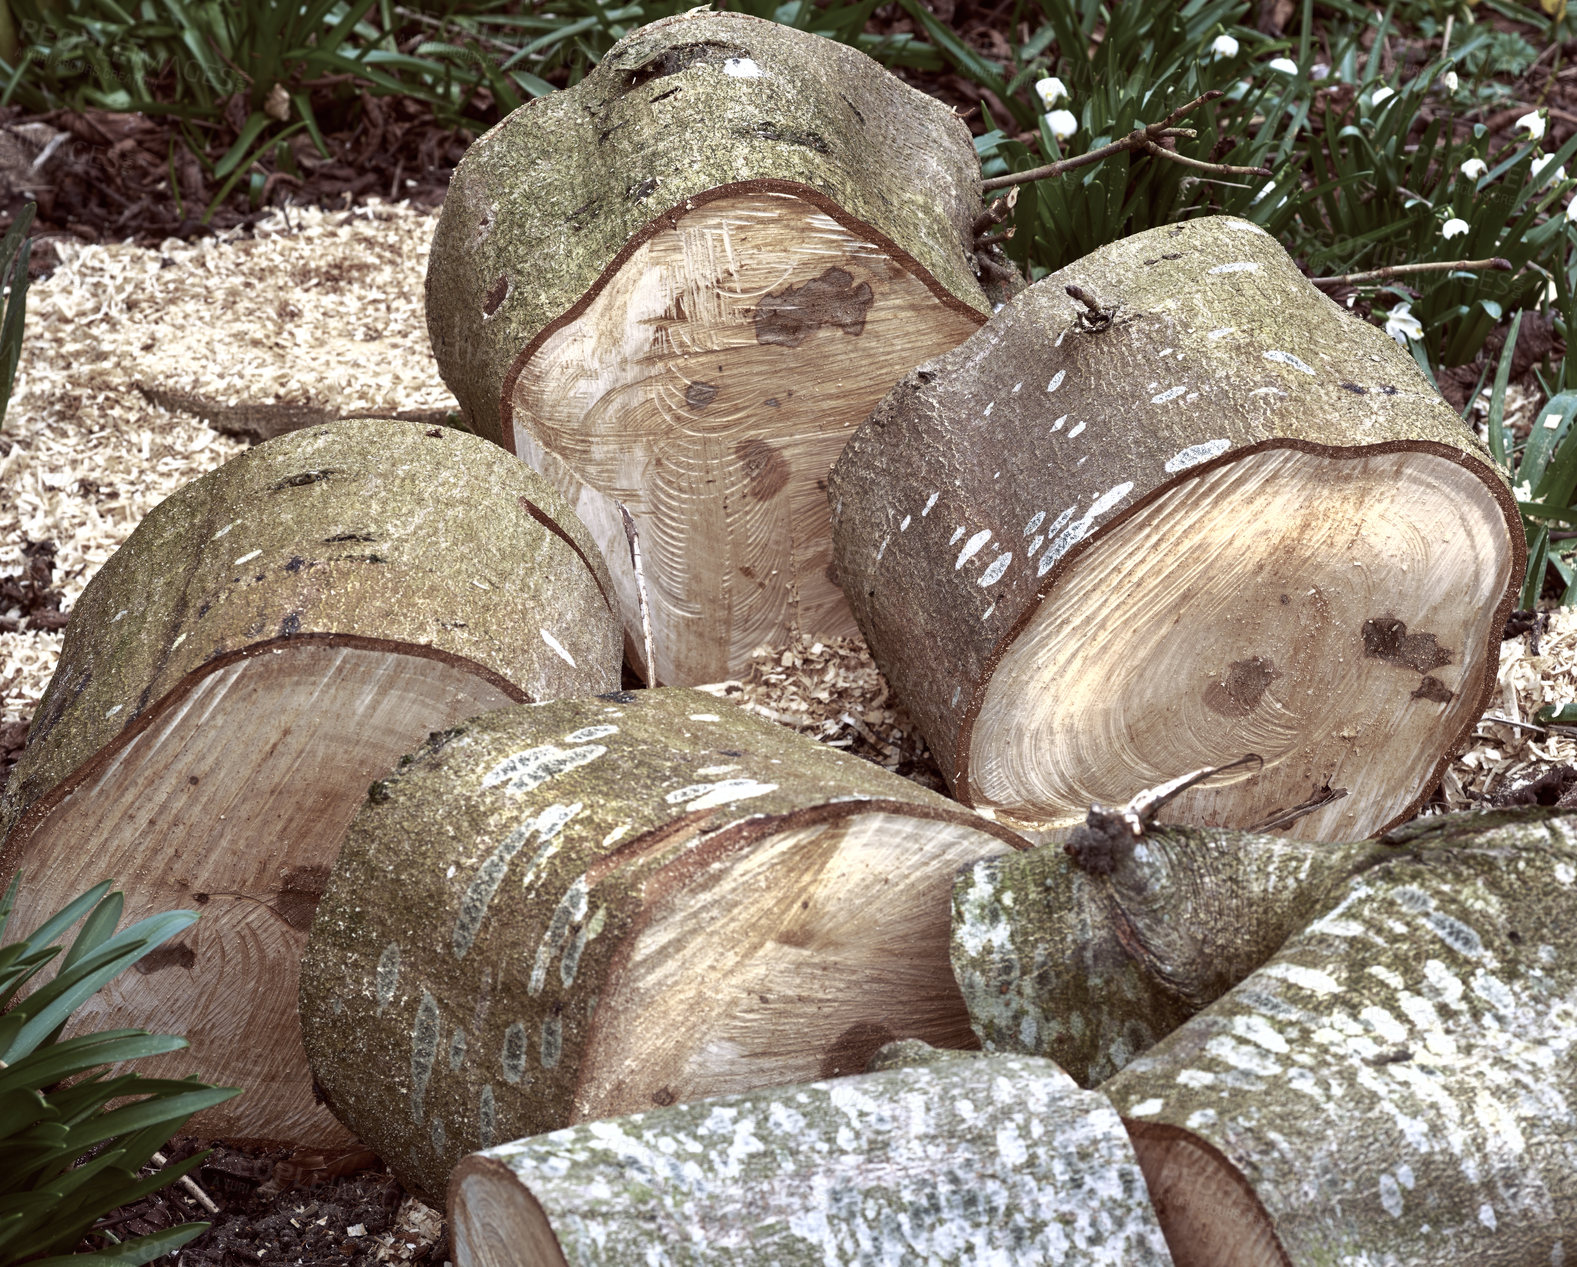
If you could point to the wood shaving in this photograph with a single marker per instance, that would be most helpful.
(416, 1228)
(831, 690)
(323, 310)
(1502, 757)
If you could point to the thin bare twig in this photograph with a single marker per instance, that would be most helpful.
(1286, 817)
(1146, 139)
(190, 1184)
(1401, 270)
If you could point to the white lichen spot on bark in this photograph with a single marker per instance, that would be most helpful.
(424, 1050)
(386, 977)
(1287, 358)
(558, 648)
(972, 547)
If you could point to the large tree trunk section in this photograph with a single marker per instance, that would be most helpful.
(1091, 969)
(1091, 554)
(676, 289)
(1000, 1159)
(268, 641)
(1398, 1084)
(588, 908)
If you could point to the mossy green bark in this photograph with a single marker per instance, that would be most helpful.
(676, 113)
(486, 890)
(1399, 1082)
(372, 533)
(1218, 347)
(1091, 970)
(999, 1159)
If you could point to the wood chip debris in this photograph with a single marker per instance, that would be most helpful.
(831, 690)
(312, 309)
(416, 1228)
(1503, 757)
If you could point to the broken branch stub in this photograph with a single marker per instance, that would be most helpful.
(1196, 511)
(998, 1159)
(681, 284)
(592, 907)
(1398, 1084)
(267, 642)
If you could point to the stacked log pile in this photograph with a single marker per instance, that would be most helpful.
(1170, 558)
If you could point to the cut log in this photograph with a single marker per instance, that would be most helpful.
(1092, 968)
(995, 1160)
(590, 907)
(677, 287)
(268, 641)
(1398, 1084)
(1094, 551)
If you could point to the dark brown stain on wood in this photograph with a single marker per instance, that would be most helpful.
(853, 1049)
(766, 469)
(786, 318)
(1432, 688)
(178, 955)
(699, 395)
(299, 895)
(1239, 690)
(1386, 638)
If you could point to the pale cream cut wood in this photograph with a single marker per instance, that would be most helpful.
(711, 402)
(790, 961)
(496, 1222)
(1229, 617)
(1208, 1214)
(233, 803)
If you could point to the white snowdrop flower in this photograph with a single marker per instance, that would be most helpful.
(1533, 124)
(1382, 94)
(1542, 161)
(1284, 64)
(1449, 79)
(1454, 228)
(1571, 211)
(1052, 92)
(1401, 325)
(1062, 124)
(1551, 294)
(1475, 168)
(1319, 71)
(1223, 46)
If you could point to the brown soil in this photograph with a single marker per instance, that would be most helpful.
(282, 1207)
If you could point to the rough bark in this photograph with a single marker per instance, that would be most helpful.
(268, 640)
(584, 908)
(1092, 969)
(1000, 1159)
(1332, 550)
(675, 288)
(1398, 1084)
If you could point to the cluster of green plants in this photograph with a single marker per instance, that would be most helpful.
(75, 1134)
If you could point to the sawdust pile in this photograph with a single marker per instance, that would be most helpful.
(831, 690)
(318, 310)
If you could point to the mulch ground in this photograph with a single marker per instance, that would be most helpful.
(99, 177)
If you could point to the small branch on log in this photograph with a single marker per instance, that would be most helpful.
(1001, 235)
(634, 538)
(1099, 316)
(1093, 846)
(1401, 270)
(1146, 139)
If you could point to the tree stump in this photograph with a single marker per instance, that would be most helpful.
(676, 288)
(1092, 550)
(1399, 1083)
(999, 1159)
(268, 641)
(585, 908)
